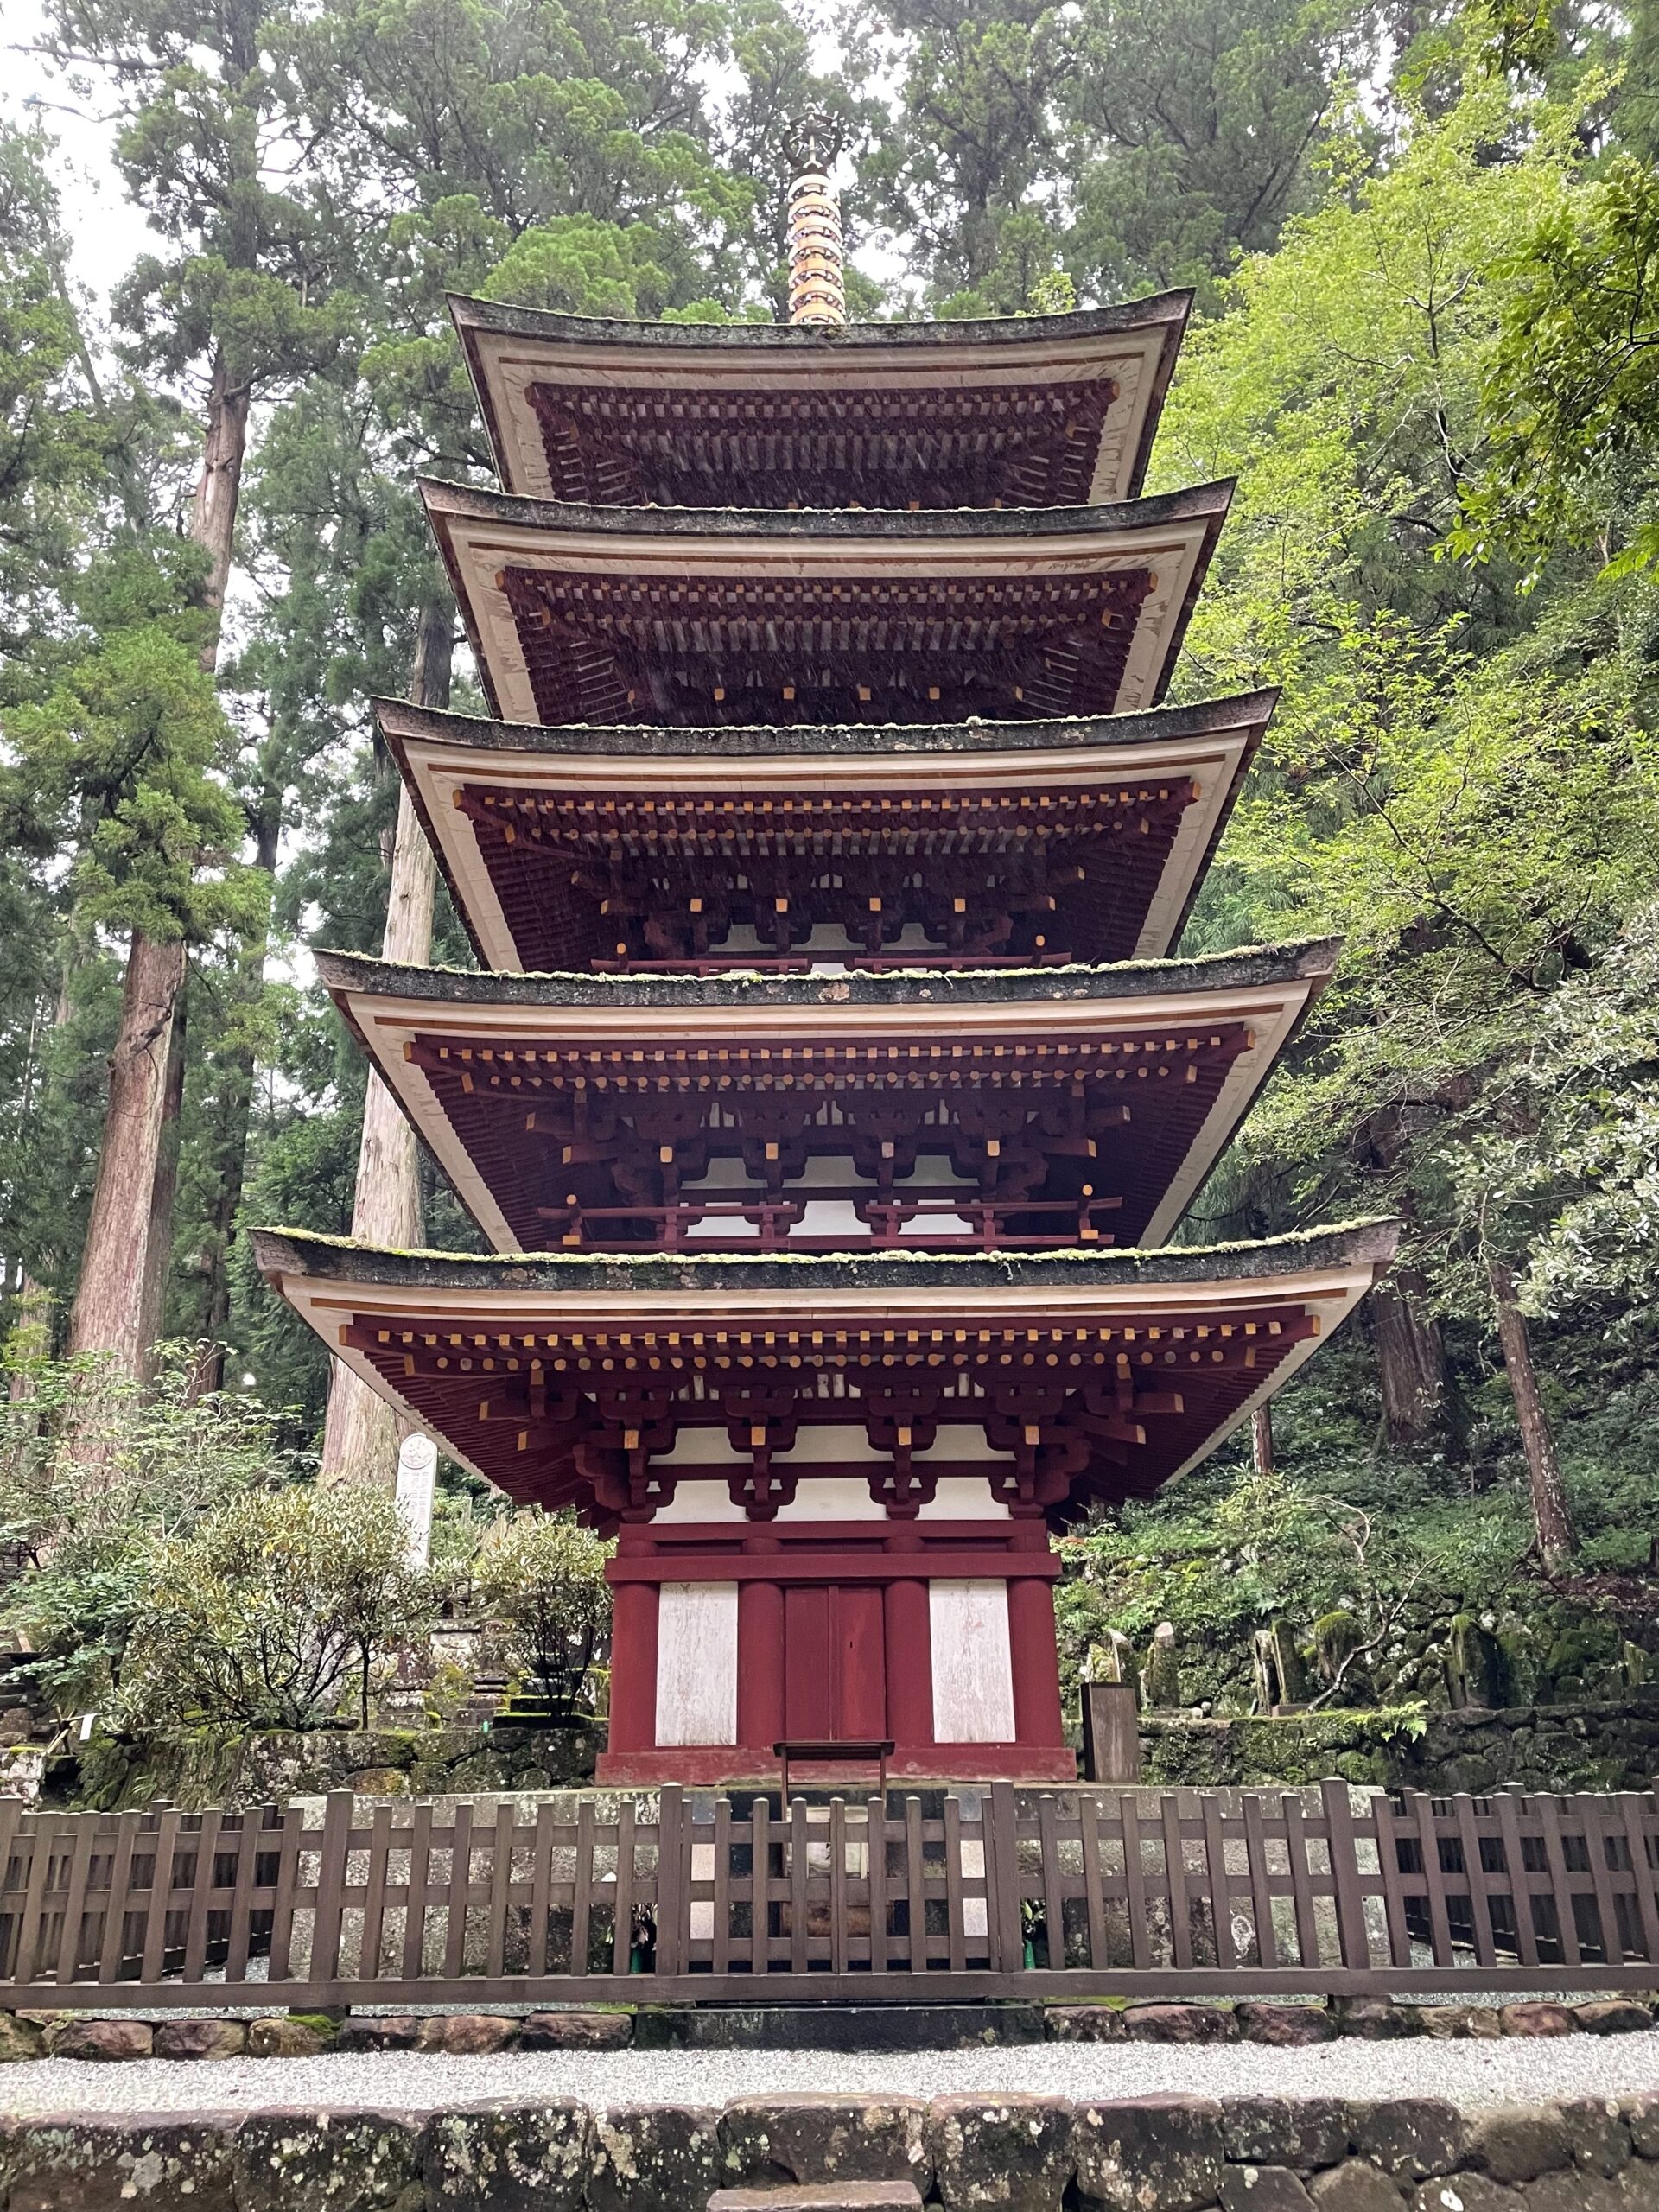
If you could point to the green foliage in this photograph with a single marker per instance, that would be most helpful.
(1572, 383)
(96, 1470)
(540, 1580)
(272, 1610)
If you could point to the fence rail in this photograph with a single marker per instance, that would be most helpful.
(975, 1893)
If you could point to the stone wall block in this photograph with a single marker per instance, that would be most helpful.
(1641, 2116)
(817, 2137)
(664, 2157)
(1481, 2022)
(106, 2040)
(396, 2031)
(1412, 2139)
(1596, 2134)
(509, 2157)
(1354, 2186)
(1263, 2189)
(576, 2032)
(467, 2035)
(1180, 2024)
(1155, 2154)
(1376, 2020)
(1468, 2193)
(20, 2040)
(201, 2039)
(1539, 2019)
(290, 2160)
(1516, 2142)
(1305, 2132)
(1616, 2015)
(1013, 2151)
(1083, 2023)
(110, 2163)
(288, 2037)
(1289, 2024)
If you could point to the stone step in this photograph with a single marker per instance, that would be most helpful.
(820, 2196)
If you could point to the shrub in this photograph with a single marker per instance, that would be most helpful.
(541, 1581)
(276, 1605)
(95, 1470)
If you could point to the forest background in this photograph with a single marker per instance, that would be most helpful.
(1424, 240)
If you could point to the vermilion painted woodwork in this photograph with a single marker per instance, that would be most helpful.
(634, 1669)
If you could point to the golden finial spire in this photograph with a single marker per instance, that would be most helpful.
(817, 290)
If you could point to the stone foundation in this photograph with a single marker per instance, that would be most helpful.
(1027, 2153)
(919, 2026)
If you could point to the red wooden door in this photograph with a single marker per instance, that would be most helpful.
(835, 1663)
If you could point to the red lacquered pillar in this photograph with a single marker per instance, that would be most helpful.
(633, 1668)
(908, 1637)
(1035, 1662)
(759, 1666)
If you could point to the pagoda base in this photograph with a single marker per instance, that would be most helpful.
(704, 1766)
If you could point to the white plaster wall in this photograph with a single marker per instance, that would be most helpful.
(696, 1663)
(973, 1672)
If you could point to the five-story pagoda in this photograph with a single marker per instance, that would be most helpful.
(828, 1094)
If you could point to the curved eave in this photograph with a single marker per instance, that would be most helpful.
(439, 754)
(395, 1012)
(507, 349)
(328, 1280)
(481, 533)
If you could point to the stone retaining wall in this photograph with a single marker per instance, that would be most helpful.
(1021, 2153)
(1537, 1747)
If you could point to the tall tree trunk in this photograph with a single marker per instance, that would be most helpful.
(1551, 1518)
(218, 488)
(108, 1312)
(129, 1213)
(361, 1436)
(1261, 1457)
(158, 1237)
(1410, 1359)
(236, 1071)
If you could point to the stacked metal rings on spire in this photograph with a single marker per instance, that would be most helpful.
(817, 291)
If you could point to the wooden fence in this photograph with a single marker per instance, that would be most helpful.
(973, 1893)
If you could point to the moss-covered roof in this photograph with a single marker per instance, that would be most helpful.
(1251, 711)
(886, 526)
(305, 1252)
(765, 337)
(1252, 965)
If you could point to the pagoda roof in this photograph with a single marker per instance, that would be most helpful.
(1028, 411)
(1118, 1370)
(1169, 1056)
(568, 793)
(698, 618)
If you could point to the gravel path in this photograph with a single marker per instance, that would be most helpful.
(1511, 2070)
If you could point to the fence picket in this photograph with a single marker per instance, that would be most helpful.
(112, 1949)
(75, 1901)
(1351, 1931)
(915, 1887)
(160, 1894)
(671, 1882)
(1180, 1925)
(875, 1830)
(416, 1890)
(622, 1929)
(1631, 1808)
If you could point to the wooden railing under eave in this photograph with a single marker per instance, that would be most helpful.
(974, 1893)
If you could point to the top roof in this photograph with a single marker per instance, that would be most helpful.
(1044, 410)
